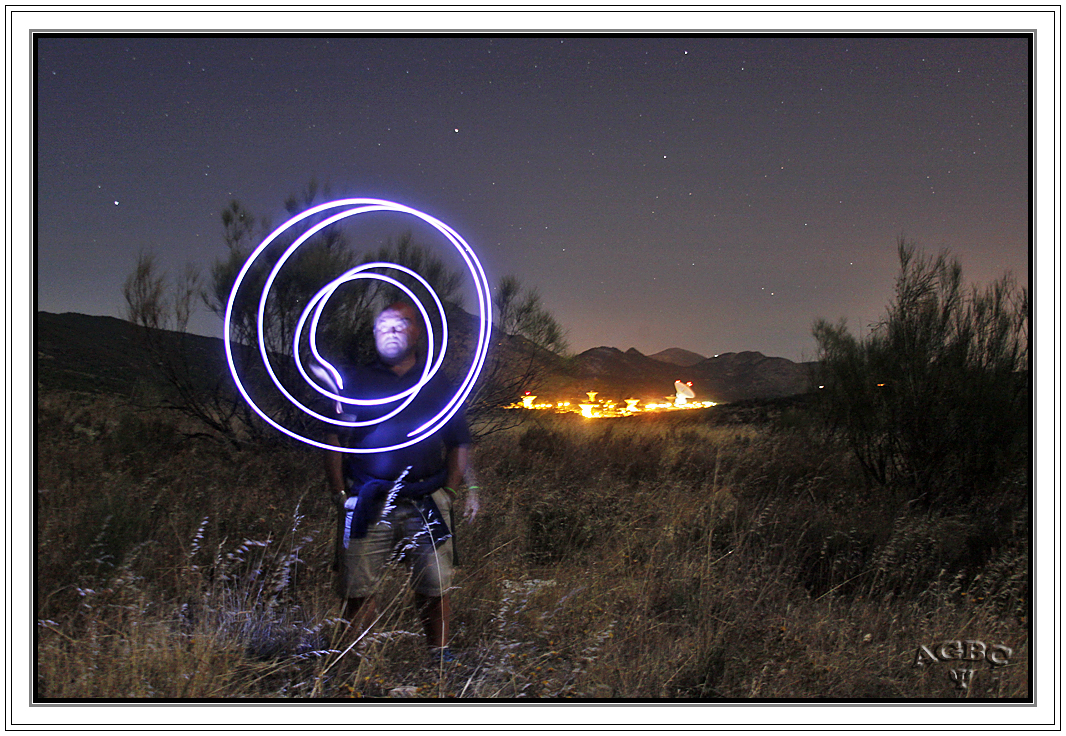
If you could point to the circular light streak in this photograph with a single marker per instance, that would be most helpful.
(318, 302)
(350, 208)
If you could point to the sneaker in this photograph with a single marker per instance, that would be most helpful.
(442, 655)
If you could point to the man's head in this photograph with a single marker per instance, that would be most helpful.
(396, 333)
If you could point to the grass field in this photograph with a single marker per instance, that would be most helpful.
(666, 558)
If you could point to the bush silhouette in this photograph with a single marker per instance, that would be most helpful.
(935, 400)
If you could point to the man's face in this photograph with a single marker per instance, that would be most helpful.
(395, 335)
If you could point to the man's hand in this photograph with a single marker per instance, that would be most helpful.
(472, 505)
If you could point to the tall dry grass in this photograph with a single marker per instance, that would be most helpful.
(631, 560)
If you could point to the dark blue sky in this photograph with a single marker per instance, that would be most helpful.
(712, 193)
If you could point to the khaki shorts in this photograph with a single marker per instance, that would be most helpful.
(363, 563)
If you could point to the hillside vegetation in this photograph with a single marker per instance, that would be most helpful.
(869, 540)
(709, 556)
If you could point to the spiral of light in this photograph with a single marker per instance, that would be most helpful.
(350, 208)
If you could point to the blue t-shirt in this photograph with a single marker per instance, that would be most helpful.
(426, 457)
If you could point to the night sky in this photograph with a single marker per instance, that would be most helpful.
(713, 193)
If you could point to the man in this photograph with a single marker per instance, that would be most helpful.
(429, 472)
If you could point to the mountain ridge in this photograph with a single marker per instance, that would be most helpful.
(726, 377)
(678, 356)
(105, 354)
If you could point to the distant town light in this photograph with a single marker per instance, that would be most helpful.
(607, 409)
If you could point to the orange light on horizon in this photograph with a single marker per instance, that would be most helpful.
(608, 409)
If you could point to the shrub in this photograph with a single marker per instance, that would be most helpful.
(936, 398)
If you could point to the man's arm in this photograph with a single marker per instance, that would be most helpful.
(458, 458)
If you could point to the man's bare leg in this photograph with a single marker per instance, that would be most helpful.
(360, 613)
(435, 613)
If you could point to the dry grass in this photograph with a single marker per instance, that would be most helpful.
(611, 560)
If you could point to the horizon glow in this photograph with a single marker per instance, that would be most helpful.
(358, 206)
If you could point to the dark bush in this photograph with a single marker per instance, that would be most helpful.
(936, 398)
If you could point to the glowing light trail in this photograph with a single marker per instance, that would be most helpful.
(359, 206)
(318, 302)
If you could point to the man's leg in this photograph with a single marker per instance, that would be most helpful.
(361, 567)
(435, 613)
(359, 613)
(432, 576)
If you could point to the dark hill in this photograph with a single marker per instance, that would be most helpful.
(678, 356)
(726, 377)
(104, 354)
(751, 375)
